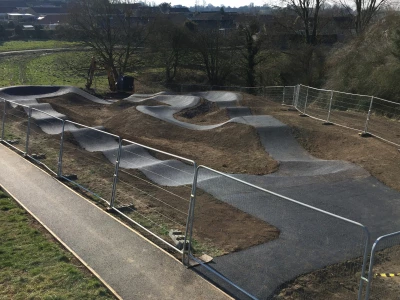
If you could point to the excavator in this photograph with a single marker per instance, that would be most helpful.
(122, 84)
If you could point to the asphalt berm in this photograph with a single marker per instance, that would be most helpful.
(339, 187)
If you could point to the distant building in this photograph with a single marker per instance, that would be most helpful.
(213, 20)
(52, 21)
(4, 11)
(46, 11)
(18, 18)
(179, 10)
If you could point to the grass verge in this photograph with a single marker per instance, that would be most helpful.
(34, 44)
(33, 266)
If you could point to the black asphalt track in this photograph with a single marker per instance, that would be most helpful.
(309, 239)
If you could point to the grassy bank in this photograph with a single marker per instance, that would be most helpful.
(33, 266)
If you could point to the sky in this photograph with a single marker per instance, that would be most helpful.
(232, 3)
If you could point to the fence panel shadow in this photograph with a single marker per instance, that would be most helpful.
(249, 230)
(154, 191)
(89, 156)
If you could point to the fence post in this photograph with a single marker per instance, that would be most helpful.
(305, 103)
(298, 96)
(365, 133)
(3, 121)
(294, 95)
(115, 179)
(330, 107)
(28, 131)
(283, 97)
(364, 265)
(187, 243)
(370, 269)
(60, 154)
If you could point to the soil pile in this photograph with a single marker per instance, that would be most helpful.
(233, 148)
(204, 113)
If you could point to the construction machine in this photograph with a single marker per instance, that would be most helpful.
(122, 84)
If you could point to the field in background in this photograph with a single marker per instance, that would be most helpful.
(34, 44)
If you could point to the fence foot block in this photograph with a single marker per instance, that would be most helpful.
(327, 123)
(71, 177)
(110, 210)
(365, 134)
(178, 238)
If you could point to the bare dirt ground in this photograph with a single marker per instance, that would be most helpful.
(325, 284)
(122, 118)
(381, 159)
(214, 148)
(243, 154)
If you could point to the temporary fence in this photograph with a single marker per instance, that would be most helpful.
(281, 94)
(88, 158)
(154, 191)
(176, 202)
(3, 104)
(248, 218)
(16, 126)
(384, 120)
(45, 137)
(367, 114)
(384, 250)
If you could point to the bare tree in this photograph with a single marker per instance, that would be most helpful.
(365, 11)
(109, 28)
(170, 43)
(211, 45)
(252, 37)
(308, 12)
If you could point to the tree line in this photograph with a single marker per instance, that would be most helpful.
(253, 53)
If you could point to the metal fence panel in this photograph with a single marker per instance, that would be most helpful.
(383, 272)
(154, 191)
(236, 222)
(350, 110)
(302, 98)
(318, 103)
(256, 91)
(288, 96)
(91, 155)
(226, 88)
(384, 120)
(2, 117)
(45, 139)
(189, 88)
(16, 123)
(274, 93)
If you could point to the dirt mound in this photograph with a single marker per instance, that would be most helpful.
(204, 113)
(215, 148)
(335, 142)
(79, 109)
(68, 99)
(231, 148)
(126, 104)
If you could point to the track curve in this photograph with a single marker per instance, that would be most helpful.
(336, 186)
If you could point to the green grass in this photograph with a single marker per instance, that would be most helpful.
(34, 267)
(34, 44)
(65, 68)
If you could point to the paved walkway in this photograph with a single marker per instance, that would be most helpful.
(133, 267)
